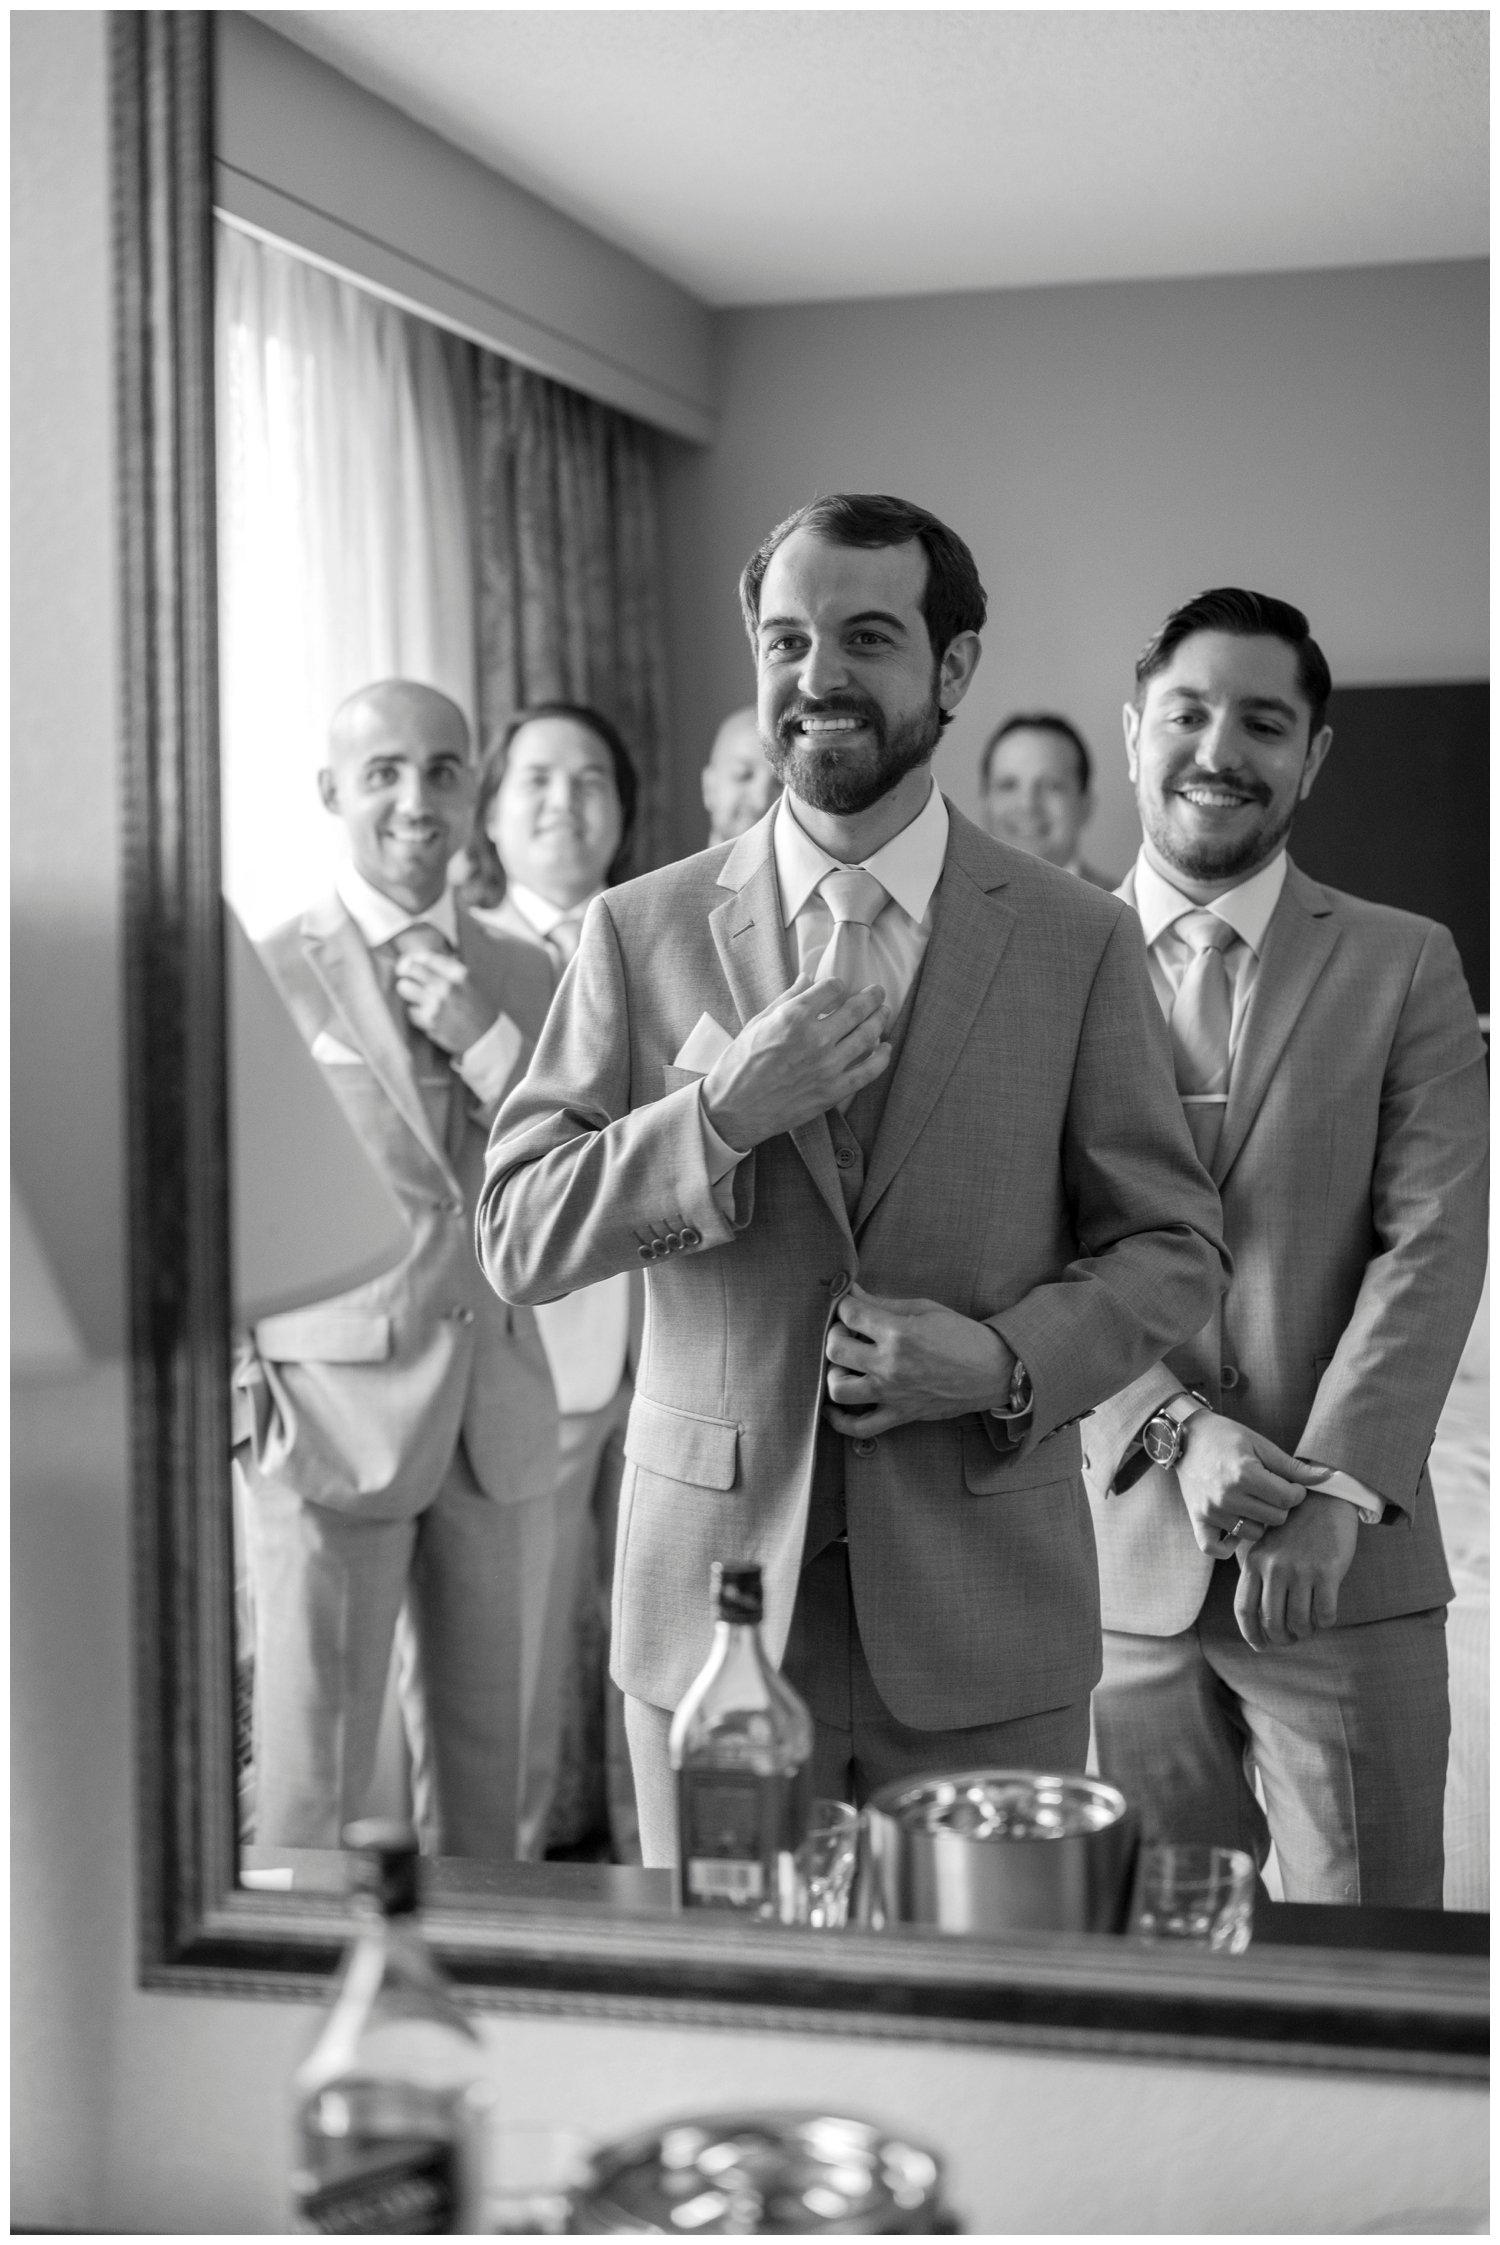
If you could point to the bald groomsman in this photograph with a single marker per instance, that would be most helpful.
(739, 785)
(401, 1440)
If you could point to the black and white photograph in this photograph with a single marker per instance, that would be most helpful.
(750, 836)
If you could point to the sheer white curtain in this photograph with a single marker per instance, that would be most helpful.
(345, 545)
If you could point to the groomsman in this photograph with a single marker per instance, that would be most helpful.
(1274, 1587)
(399, 1441)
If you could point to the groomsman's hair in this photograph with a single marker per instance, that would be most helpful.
(953, 599)
(1251, 615)
(486, 882)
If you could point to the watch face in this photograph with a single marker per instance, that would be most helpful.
(1160, 1439)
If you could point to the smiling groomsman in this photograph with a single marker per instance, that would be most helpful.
(1273, 1579)
(399, 1441)
(885, 1112)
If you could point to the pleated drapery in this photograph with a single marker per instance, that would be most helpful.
(568, 574)
(394, 502)
(346, 543)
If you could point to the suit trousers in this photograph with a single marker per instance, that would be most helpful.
(858, 1745)
(1348, 1731)
(583, 1513)
(327, 1592)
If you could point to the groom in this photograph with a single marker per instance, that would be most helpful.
(886, 1112)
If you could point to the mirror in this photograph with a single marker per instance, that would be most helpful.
(203, 1927)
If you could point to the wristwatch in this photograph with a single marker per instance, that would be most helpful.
(1162, 1436)
(1018, 1402)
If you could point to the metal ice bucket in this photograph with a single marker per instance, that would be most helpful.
(998, 1851)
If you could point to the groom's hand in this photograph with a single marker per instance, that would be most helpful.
(809, 1050)
(891, 1361)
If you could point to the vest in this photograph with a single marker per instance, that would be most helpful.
(854, 1135)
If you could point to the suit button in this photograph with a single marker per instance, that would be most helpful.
(839, 1284)
(864, 1446)
(844, 1156)
(689, 1236)
(460, 1314)
(1230, 1376)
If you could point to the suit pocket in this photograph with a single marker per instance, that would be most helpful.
(318, 1336)
(990, 1473)
(681, 1446)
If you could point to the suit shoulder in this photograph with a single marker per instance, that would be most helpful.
(1361, 915)
(1027, 880)
(499, 945)
(685, 880)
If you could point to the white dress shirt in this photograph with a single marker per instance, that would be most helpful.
(1247, 909)
(908, 869)
(540, 913)
(486, 1066)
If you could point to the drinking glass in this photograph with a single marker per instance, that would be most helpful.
(825, 1864)
(1204, 1895)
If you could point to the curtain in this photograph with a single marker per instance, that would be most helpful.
(346, 547)
(568, 606)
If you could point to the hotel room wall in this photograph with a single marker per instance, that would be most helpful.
(154, 2113)
(1108, 451)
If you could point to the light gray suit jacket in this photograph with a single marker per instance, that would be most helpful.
(358, 1402)
(1032, 1168)
(1352, 1169)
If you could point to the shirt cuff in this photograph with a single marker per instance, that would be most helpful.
(486, 1067)
(722, 1158)
(1371, 1508)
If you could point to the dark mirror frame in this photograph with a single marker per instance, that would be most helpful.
(1321, 2007)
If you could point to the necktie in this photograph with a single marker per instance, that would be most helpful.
(561, 940)
(856, 900)
(431, 1063)
(1201, 1014)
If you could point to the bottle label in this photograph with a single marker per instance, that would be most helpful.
(390, 2188)
(714, 1880)
(738, 1829)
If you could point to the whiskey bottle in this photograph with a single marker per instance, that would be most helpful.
(389, 2104)
(741, 1745)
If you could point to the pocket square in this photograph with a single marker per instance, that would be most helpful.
(335, 1055)
(706, 1040)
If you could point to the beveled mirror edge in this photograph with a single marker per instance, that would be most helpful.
(1353, 2011)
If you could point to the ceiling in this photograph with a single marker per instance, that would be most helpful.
(768, 156)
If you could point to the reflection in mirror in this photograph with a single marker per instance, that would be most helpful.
(202, 1929)
(425, 554)
(416, 746)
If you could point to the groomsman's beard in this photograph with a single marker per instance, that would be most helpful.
(844, 780)
(1201, 858)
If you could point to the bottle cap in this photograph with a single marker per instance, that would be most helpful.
(737, 1591)
(385, 1865)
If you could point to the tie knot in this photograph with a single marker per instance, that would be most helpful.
(562, 937)
(1205, 931)
(853, 894)
(420, 936)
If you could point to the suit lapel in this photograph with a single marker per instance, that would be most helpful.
(971, 927)
(751, 943)
(337, 956)
(1302, 933)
